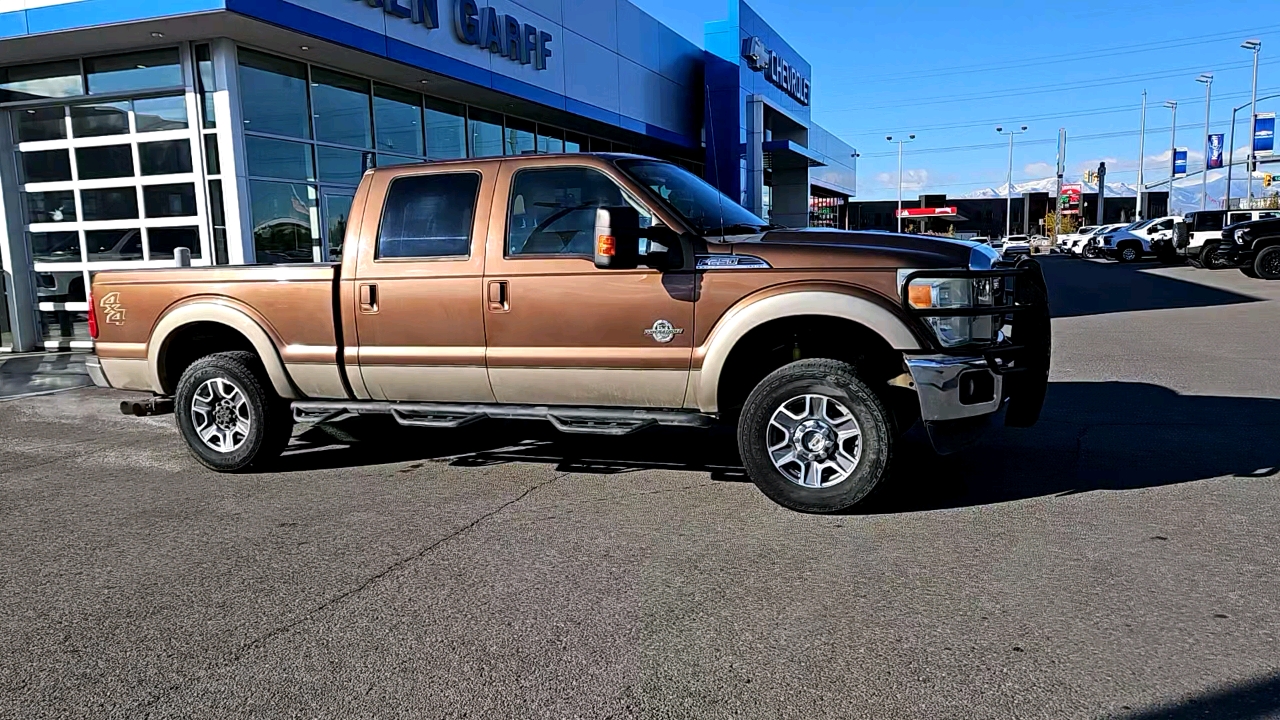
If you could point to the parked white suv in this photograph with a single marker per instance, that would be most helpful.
(1073, 243)
(1139, 239)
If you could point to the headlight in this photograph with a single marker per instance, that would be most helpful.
(1242, 236)
(956, 293)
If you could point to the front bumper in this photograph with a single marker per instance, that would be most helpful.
(94, 366)
(953, 388)
(961, 389)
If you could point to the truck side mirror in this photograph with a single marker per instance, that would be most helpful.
(617, 238)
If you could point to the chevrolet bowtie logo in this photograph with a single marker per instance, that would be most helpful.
(112, 312)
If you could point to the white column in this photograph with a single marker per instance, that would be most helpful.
(235, 184)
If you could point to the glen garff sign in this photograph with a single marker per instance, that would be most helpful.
(501, 35)
(777, 71)
(485, 28)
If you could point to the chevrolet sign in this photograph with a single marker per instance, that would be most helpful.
(777, 71)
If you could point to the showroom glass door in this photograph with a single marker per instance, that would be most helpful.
(108, 183)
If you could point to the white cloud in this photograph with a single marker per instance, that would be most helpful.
(912, 180)
(1040, 169)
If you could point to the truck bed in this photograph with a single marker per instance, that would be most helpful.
(293, 304)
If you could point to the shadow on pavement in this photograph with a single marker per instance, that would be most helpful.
(1092, 437)
(1252, 700)
(1082, 287)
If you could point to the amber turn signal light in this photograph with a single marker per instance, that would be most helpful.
(606, 246)
(920, 296)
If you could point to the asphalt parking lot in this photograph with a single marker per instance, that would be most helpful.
(1120, 559)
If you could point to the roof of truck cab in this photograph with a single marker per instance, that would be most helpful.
(538, 159)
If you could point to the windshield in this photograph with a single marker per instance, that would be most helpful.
(1138, 225)
(1090, 229)
(706, 209)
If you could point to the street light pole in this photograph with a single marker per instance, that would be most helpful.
(1207, 79)
(1008, 185)
(1142, 155)
(1256, 47)
(900, 142)
(1231, 149)
(1173, 147)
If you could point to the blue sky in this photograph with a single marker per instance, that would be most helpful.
(952, 71)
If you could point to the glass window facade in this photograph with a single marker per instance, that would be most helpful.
(106, 182)
(120, 161)
(311, 133)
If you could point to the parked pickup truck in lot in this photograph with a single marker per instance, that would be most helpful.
(602, 293)
(1253, 246)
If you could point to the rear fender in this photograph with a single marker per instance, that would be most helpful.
(223, 313)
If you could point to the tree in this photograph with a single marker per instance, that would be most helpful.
(1070, 223)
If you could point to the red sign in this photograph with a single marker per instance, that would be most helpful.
(927, 212)
(1069, 201)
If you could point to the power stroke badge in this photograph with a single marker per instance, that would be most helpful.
(663, 331)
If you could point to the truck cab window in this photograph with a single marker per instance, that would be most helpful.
(553, 211)
(429, 216)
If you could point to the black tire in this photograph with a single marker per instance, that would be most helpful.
(1209, 257)
(829, 379)
(1267, 263)
(269, 418)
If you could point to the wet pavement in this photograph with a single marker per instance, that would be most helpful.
(40, 374)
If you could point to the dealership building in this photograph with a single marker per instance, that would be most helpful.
(239, 129)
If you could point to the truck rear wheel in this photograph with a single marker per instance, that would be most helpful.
(1209, 257)
(814, 437)
(227, 412)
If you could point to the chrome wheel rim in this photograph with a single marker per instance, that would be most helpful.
(814, 441)
(1130, 254)
(220, 415)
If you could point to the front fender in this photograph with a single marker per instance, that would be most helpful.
(740, 320)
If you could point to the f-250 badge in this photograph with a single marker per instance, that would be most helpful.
(663, 331)
(112, 312)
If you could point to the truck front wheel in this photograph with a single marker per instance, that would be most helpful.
(814, 437)
(229, 415)
(1267, 264)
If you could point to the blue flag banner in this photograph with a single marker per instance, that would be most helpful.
(1179, 162)
(1264, 133)
(1215, 151)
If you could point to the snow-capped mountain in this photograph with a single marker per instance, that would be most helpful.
(1186, 193)
(1050, 185)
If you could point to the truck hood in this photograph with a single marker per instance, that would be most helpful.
(833, 249)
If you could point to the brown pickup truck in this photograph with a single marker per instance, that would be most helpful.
(604, 294)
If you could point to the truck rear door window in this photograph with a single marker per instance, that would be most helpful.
(429, 216)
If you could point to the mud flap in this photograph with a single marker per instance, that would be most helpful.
(1032, 330)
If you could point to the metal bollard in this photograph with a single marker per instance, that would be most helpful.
(182, 256)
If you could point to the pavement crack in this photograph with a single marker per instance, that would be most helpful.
(402, 562)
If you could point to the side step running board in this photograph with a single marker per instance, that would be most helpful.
(583, 420)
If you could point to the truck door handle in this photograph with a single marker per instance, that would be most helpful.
(499, 299)
(368, 299)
